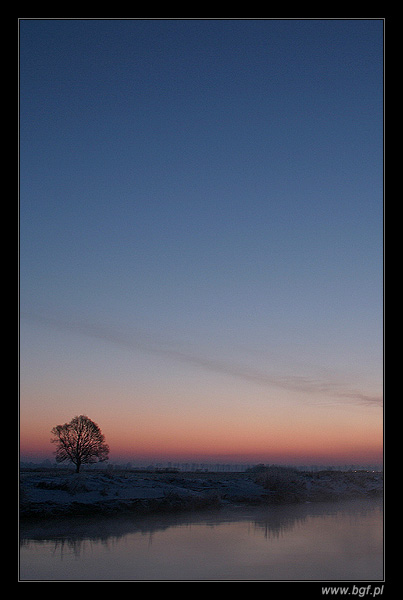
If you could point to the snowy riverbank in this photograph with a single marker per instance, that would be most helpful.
(54, 492)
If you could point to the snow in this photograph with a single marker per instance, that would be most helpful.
(61, 492)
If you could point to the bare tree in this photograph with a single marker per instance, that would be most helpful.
(80, 441)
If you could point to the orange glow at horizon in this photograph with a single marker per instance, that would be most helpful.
(300, 438)
(280, 448)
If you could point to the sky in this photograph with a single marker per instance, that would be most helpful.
(201, 237)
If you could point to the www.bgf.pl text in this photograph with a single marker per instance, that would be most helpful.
(355, 590)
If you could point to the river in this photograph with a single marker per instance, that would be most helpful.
(338, 541)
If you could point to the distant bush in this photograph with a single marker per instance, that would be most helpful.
(284, 484)
(72, 486)
(53, 485)
(260, 468)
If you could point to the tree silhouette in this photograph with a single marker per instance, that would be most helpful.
(80, 441)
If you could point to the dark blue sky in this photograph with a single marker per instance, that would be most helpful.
(216, 184)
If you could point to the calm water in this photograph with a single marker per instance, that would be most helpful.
(335, 541)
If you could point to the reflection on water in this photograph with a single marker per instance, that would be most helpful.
(319, 541)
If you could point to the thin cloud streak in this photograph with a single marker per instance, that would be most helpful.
(146, 342)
